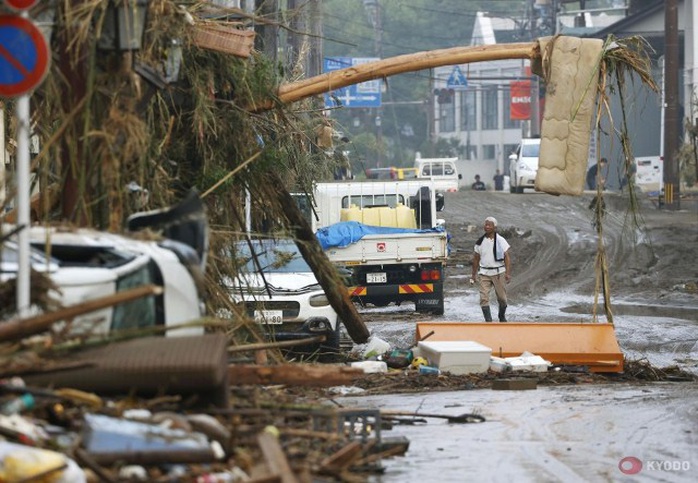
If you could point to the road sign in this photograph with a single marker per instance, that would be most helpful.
(21, 4)
(457, 80)
(365, 94)
(24, 56)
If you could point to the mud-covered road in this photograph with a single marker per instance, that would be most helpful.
(651, 259)
(571, 432)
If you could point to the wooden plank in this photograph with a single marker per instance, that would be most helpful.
(293, 374)
(275, 457)
(20, 328)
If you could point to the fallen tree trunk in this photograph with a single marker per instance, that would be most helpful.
(292, 374)
(400, 64)
(325, 272)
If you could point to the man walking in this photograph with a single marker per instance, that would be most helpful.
(492, 264)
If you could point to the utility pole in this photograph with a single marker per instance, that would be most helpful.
(373, 11)
(268, 33)
(672, 176)
(315, 26)
(535, 87)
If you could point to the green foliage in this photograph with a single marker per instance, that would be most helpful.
(406, 27)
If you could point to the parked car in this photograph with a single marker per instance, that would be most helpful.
(86, 264)
(523, 165)
(279, 291)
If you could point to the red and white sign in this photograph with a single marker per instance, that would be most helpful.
(520, 107)
(380, 247)
(21, 4)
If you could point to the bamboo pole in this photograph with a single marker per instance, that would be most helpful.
(400, 64)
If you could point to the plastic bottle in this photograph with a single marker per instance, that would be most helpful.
(429, 370)
(18, 404)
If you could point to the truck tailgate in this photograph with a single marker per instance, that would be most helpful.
(393, 248)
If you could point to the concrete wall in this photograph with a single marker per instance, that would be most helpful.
(485, 169)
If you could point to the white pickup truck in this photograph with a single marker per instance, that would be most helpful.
(387, 236)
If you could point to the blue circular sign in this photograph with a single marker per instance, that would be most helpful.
(24, 56)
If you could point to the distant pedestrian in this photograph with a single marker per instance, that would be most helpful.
(593, 174)
(498, 181)
(478, 185)
(492, 268)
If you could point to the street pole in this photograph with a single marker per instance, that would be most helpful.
(535, 88)
(23, 221)
(672, 176)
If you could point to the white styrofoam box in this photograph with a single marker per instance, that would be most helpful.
(456, 357)
(370, 367)
(529, 363)
(499, 364)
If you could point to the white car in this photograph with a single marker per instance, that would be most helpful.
(523, 165)
(86, 264)
(279, 291)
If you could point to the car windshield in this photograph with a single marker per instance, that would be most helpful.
(530, 150)
(273, 257)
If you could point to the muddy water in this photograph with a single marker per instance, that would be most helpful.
(570, 434)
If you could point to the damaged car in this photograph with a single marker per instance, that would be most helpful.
(279, 291)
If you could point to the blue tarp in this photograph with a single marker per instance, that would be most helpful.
(345, 233)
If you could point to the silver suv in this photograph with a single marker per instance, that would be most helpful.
(523, 165)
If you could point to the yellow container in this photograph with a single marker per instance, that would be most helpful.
(388, 216)
(405, 217)
(371, 216)
(350, 214)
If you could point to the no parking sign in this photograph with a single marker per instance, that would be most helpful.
(24, 55)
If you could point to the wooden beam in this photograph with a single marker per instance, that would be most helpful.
(292, 375)
(275, 457)
(20, 328)
(400, 64)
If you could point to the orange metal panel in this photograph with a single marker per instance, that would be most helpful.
(594, 345)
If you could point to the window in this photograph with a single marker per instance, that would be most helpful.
(509, 149)
(447, 117)
(488, 151)
(468, 119)
(507, 122)
(366, 201)
(137, 313)
(489, 108)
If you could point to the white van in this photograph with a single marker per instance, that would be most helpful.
(442, 171)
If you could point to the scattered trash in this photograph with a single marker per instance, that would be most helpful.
(23, 463)
(370, 367)
(398, 358)
(429, 370)
(419, 361)
(375, 347)
(526, 362)
(108, 440)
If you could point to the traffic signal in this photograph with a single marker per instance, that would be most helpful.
(444, 96)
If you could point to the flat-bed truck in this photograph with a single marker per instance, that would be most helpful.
(387, 237)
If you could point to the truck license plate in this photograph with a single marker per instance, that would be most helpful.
(269, 316)
(379, 277)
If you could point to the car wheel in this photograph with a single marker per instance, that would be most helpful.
(329, 350)
(520, 190)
